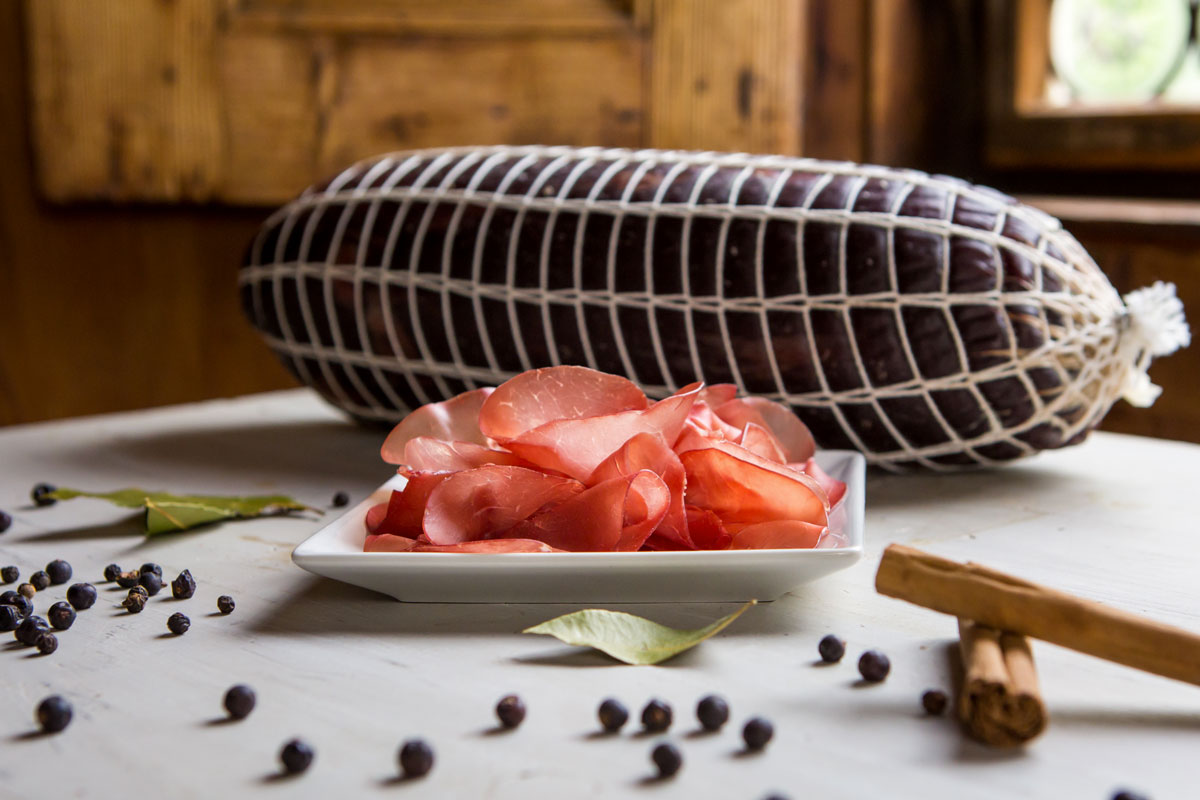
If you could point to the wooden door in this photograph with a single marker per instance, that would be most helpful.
(248, 101)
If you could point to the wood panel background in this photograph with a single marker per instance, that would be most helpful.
(199, 106)
(105, 308)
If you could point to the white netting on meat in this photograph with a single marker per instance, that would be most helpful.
(918, 319)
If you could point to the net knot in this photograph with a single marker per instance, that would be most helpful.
(1153, 325)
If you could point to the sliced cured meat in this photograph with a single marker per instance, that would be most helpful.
(793, 435)
(388, 543)
(539, 396)
(648, 451)
(834, 488)
(784, 534)
(406, 507)
(487, 501)
(428, 453)
(456, 419)
(617, 514)
(740, 487)
(576, 447)
(706, 529)
(761, 442)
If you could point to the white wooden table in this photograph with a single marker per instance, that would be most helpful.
(356, 673)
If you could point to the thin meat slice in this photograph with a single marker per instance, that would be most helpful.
(706, 529)
(406, 507)
(618, 514)
(761, 442)
(539, 396)
(487, 501)
(793, 435)
(456, 419)
(834, 488)
(740, 487)
(575, 447)
(780, 534)
(649, 451)
(718, 394)
(428, 453)
(388, 543)
(489, 546)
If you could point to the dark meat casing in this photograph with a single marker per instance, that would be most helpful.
(916, 318)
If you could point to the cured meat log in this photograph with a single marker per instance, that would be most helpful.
(916, 318)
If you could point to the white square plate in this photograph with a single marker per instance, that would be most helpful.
(336, 552)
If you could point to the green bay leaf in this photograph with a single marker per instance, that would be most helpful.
(628, 637)
(167, 512)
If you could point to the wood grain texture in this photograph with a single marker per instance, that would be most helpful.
(423, 17)
(248, 102)
(835, 89)
(113, 308)
(125, 101)
(727, 75)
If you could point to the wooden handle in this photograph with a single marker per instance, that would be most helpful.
(1006, 603)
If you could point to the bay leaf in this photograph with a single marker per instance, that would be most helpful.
(167, 512)
(628, 637)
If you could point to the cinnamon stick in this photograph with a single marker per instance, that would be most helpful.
(1000, 703)
(1000, 601)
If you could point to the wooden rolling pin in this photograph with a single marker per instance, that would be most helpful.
(999, 601)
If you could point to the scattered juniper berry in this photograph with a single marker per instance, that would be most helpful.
(340, 499)
(874, 666)
(9, 574)
(40, 580)
(29, 629)
(39, 494)
(9, 618)
(27, 590)
(225, 604)
(178, 624)
(239, 701)
(713, 712)
(656, 716)
(151, 582)
(5, 521)
(183, 587)
(150, 566)
(667, 758)
(128, 580)
(135, 601)
(416, 758)
(18, 601)
(934, 702)
(54, 713)
(81, 596)
(46, 643)
(757, 733)
(831, 649)
(296, 756)
(59, 571)
(510, 711)
(61, 615)
(112, 572)
(613, 715)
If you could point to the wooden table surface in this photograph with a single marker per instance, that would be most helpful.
(355, 673)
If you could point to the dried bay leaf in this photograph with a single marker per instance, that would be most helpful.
(628, 637)
(167, 512)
